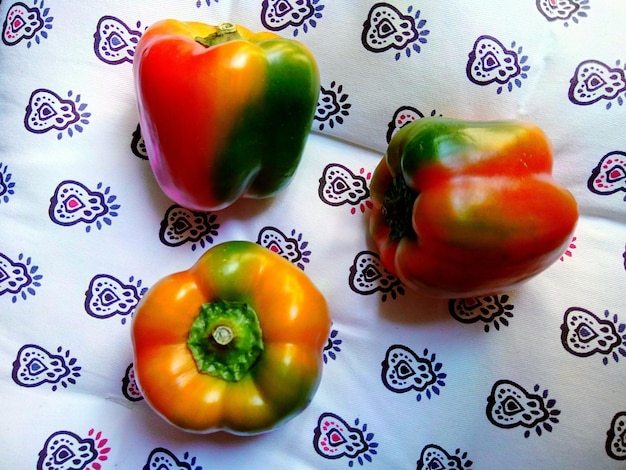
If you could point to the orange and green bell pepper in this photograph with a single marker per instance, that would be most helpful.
(224, 112)
(234, 343)
(464, 209)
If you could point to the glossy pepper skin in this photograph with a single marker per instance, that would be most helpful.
(224, 112)
(234, 343)
(466, 209)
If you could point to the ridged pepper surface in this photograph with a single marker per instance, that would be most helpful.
(224, 112)
(235, 343)
(464, 209)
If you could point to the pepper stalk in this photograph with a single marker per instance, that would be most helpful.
(225, 32)
(225, 339)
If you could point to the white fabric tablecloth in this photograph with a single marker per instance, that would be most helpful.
(534, 378)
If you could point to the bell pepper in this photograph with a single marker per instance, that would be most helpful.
(224, 112)
(234, 343)
(466, 209)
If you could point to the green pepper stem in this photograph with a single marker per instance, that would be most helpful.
(225, 32)
(225, 339)
(222, 335)
(398, 209)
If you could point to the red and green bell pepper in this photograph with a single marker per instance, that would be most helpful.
(234, 343)
(465, 209)
(224, 112)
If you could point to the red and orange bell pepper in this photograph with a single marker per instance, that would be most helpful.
(464, 209)
(224, 112)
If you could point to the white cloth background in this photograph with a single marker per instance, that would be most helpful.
(63, 362)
